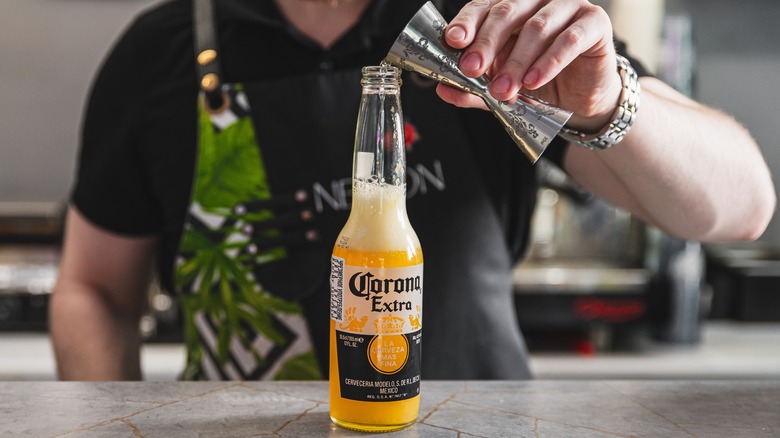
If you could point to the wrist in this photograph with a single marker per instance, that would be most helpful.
(599, 118)
(604, 131)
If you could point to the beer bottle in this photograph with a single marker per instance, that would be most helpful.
(376, 275)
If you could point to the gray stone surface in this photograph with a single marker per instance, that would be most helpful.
(447, 409)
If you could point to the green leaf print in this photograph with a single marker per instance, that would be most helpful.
(215, 272)
(228, 169)
(301, 367)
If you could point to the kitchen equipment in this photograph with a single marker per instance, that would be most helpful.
(30, 233)
(592, 268)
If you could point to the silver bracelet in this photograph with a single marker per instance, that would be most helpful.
(623, 118)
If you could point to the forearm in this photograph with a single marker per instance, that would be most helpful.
(91, 340)
(698, 173)
(690, 170)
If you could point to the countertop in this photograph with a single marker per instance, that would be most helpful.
(667, 408)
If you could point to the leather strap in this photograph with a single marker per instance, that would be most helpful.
(206, 54)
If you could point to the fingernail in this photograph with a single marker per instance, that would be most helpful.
(501, 84)
(472, 61)
(531, 77)
(456, 33)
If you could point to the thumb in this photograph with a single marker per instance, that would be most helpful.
(459, 98)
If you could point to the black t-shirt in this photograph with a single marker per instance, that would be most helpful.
(139, 150)
(139, 134)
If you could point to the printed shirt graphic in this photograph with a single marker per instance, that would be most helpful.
(234, 328)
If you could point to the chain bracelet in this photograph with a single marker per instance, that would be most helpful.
(624, 115)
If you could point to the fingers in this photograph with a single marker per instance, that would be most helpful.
(525, 43)
(535, 37)
(461, 30)
(485, 26)
(576, 39)
(459, 98)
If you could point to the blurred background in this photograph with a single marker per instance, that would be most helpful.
(600, 294)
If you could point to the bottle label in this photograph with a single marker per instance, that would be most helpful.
(378, 317)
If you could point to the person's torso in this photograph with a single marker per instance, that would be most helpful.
(470, 192)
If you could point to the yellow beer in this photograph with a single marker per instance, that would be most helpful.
(379, 329)
(376, 275)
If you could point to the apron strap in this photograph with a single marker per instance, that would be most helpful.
(206, 57)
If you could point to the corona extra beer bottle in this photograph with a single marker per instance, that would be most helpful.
(376, 275)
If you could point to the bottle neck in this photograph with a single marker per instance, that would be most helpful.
(379, 140)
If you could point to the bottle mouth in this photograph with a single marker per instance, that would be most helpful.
(384, 75)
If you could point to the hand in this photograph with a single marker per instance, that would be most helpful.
(560, 51)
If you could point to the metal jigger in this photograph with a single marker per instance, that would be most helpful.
(531, 123)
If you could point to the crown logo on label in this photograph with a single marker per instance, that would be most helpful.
(389, 325)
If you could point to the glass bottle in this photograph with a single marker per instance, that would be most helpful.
(376, 275)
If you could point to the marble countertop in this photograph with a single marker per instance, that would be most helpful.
(448, 409)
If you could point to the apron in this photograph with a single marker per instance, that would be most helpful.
(271, 192)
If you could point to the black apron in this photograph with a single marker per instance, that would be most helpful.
(272, 190)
